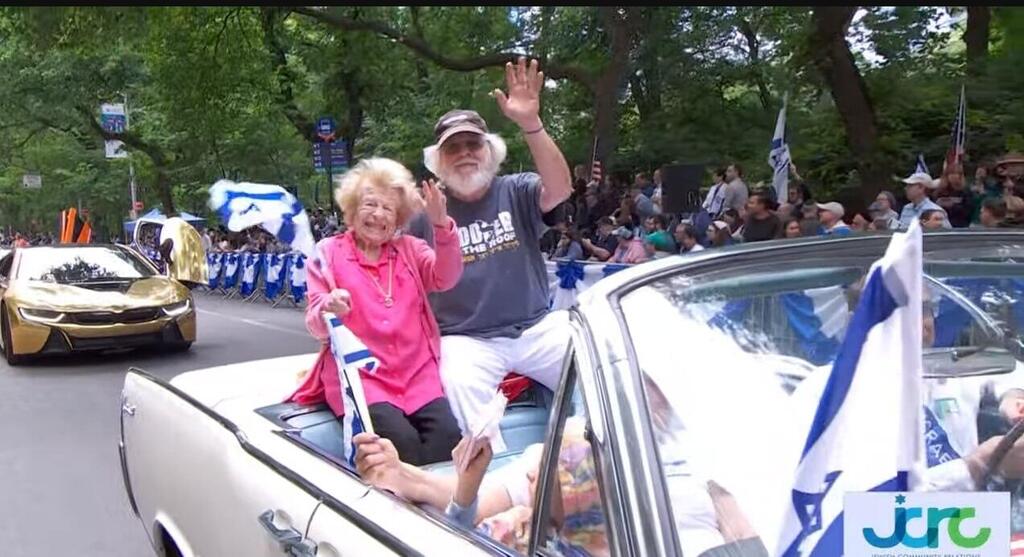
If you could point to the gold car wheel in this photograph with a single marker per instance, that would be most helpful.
(5, 330)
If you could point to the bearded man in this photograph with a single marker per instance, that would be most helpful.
(496, 319)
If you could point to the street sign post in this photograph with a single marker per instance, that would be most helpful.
(32, 181)
(325, 128)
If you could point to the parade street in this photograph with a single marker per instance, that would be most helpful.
(60, 478)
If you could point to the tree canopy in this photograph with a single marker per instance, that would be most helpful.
(235, 91)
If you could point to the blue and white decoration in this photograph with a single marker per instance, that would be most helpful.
(231, 270)
(275, 272)
(351, 355)
(271, 207)
(778, 157)
(869, 404)
(298, 278)
(250, 271)
(215, 262)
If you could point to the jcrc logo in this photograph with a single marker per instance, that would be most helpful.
(976, 524)
(954, 516)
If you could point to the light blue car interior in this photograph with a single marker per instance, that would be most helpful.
(525, 423)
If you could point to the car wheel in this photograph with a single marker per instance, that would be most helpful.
(5, 330)
(179, 346)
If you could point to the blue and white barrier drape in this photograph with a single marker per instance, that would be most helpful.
(275, 272)
(813, 321)
(231, 268)
(252, 263)
(215, 262)
(298, 277)
(566, 279)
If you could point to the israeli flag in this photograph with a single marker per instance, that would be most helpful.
(351, 355)
(216, 263)
(245, 204)
(778, 159)
(231, 270)
(298, 277)
(921, 167)
(274, 278)
(866, 433)
(249, 270)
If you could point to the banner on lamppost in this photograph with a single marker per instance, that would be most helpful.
(32, 181)
(113, 118)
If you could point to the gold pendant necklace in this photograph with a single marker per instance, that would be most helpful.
(388, 299)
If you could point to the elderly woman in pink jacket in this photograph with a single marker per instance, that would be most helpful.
(377, 279)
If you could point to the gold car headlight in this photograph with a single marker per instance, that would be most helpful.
(41, 315)
(176, 309)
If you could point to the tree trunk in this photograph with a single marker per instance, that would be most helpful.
(835, 62)
(610, 84)
(976, 37)
(163, 186)
(754, 57)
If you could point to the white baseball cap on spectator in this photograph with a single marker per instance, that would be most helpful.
(921, 178)
(833, 207)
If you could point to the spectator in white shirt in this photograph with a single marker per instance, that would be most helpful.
(917, 196)
(716, 196)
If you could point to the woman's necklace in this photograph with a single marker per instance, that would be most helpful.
(388, 300)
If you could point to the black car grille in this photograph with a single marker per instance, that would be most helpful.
(140, 315)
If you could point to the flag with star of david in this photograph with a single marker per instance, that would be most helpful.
(867, 429)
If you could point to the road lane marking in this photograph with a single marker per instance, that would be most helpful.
(255, 323)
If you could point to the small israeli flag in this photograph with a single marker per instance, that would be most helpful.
(245, 204)
(778, 158)
(921, 167)
(351, 355)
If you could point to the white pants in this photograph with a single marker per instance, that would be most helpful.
(472, 368)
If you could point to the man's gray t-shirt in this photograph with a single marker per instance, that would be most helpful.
(504, 286)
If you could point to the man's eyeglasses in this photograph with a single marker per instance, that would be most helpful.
(454, 147)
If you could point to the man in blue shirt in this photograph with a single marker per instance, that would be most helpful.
(918, 202)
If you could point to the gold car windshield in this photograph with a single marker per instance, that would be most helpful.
(81, 264)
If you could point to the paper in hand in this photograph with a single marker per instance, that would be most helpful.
(486, 428)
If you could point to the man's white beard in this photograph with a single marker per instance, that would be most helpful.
(469, 187)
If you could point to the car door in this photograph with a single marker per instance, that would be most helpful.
(194, 484)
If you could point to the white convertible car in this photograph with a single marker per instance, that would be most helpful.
(215, 465)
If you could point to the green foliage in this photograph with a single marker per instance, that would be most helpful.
(209, 98)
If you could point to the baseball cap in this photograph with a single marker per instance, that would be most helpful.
(458, 121)
(921, 178)
(623, 232)
(833, 207)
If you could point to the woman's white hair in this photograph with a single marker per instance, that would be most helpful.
(499, 150)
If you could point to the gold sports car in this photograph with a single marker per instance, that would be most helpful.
(70, 298)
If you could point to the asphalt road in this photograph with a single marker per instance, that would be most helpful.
(60, 479)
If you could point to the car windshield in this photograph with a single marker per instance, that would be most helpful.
(724, 355)
(81, 264)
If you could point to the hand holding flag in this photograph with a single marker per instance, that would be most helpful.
(351, 355)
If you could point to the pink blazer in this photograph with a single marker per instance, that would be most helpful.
(438, 270)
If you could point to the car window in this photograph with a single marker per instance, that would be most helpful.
(723, 353)
(5, 264)
(81, 264)
(574, 521)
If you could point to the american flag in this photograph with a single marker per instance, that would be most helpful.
(595, 172)
(958, 136)
(1017, 545)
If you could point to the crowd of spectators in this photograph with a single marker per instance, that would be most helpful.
(616, 221)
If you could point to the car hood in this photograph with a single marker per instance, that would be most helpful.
(265, 382)
(148, 292)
